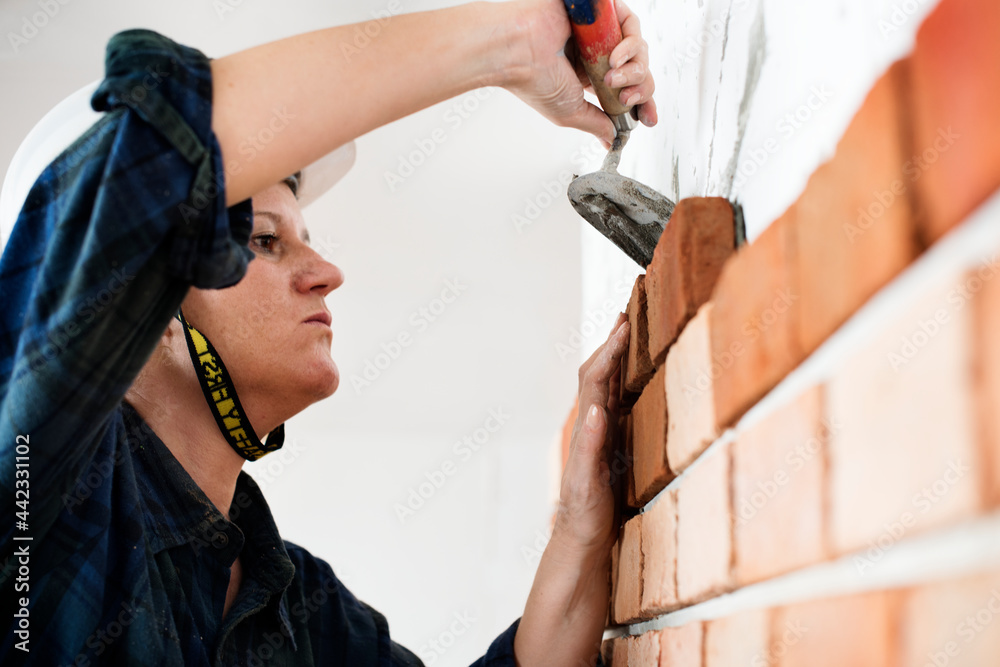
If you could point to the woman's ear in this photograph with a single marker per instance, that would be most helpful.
(163, 357)
(172, 348)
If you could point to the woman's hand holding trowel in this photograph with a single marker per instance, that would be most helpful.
(553, 83)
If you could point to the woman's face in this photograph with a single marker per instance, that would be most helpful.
(272, 329)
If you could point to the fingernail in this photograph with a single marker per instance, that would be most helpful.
(592, 416)
(617, 79)
(632, 100)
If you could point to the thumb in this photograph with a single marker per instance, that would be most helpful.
(591, 118)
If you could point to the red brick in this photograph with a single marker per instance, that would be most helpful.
(626, 398)
(686, 264)
(639, 368)
(649, 439)
(628, 593)
(955, 83)
(659, 556)
(779, 467)
(854, 229)
(644, 650)
(704, 529)
(615, 652)
(681, 647)
(752, 325)
(902, 425)
(690, 399)
(630, 459)
(954, 623)
(986, 369)
(854, 630)
(738, 640)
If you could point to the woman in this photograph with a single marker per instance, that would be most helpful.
(144, 542)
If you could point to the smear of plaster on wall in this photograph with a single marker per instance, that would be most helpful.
(815, 59)
(702, 55)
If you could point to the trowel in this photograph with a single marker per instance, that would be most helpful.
(630, 214)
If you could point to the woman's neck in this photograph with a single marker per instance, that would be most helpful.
(168, 398)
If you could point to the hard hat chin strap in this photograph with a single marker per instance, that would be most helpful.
(220, 393)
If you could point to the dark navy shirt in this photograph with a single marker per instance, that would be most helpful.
(118, 555)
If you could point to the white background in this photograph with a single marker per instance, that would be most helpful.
(349, 460)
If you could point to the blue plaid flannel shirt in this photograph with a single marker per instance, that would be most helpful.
(129, 560)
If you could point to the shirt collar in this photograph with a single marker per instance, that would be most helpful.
(178, 512)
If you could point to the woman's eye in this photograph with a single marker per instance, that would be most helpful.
(265, 241)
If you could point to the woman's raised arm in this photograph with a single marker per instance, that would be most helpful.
(280, 106)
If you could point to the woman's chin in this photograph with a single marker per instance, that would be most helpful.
(326, 378)
(317, 379)
(334, 381)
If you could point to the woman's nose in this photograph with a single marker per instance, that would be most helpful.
(321, 276)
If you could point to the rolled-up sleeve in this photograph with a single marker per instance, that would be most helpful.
(501, 651)
(111, 237)
(172, 172)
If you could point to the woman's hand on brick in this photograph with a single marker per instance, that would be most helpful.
(542, 75)
(564, 617)
(586, 516)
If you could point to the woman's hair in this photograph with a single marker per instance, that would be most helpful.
(293, 183)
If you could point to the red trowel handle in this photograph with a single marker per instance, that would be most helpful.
(597, 32)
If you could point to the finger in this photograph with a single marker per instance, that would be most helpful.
(594, 388)
(614, 385)
(647, 113)
(632, 73)
(634, 95)
(589, 451)
(624, 14)
(616, 378)
(600, 371)
(601, 126)
(590, 438)
(628, 20)
(590, 360)
(595, 383)
(632, 47)
(618, 322)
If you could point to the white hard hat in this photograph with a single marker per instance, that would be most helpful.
(69, 119)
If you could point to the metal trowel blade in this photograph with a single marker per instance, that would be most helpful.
(631, 215)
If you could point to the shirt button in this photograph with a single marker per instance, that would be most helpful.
(223, 539)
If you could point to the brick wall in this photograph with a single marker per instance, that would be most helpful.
(812, 417)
